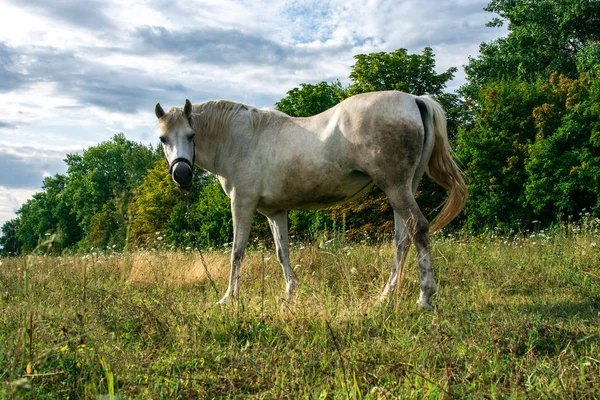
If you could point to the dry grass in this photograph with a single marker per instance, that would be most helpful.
(176, 268)
(513, 318)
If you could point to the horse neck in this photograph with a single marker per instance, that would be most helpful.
(219, 131)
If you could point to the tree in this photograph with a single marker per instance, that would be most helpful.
(563, 166)
(158, 206)
(63, 222)
(532, 141)
(34, 221)
(87, 206)
(153, 204)
(210, 220)
(106, 173)
(9, 242)
(309, 100)
(398, 70)
(544, 37)
(495, 152)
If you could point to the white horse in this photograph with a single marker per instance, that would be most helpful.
(270, 162)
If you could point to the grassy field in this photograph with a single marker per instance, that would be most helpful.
(513, 318)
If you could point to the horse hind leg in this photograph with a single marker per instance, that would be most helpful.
(417, 231)
(402, 244)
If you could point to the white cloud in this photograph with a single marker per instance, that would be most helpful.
(11, 200)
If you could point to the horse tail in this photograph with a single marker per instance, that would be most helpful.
(438, 162)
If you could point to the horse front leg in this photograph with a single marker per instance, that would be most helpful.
(242, 213)
(278, 223)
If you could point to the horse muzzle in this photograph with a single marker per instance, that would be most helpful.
(182, 173)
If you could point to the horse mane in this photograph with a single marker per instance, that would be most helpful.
(212, 118)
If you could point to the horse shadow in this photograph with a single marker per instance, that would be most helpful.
(586, 309)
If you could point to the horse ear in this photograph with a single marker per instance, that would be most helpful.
(158, 110)
(187, 109)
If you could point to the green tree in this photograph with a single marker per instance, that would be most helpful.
(495, 151)
(564, 162)
(531, 142)
(202, 217)
(398, 70)
(153, 204)
(9, 243)
(309, 100)
(106, 173)
(45, 214)
(34, 221)
(63, 222)
(210, 222)
(544, 37)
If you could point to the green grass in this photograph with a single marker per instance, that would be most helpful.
(513, 318)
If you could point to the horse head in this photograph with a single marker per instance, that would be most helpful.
(177, 138)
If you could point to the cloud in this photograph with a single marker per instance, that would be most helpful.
(11, 199)
(313, 41)
(89, 14)
(215, 46)
(9, 78)
(6, 125)
(26, 166)
(116, 88)
(221, 47)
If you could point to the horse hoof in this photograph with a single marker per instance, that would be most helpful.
(382, 299)
(222, 302)
(285, 301)
(425, 305)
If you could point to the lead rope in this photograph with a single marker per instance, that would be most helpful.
(195, 242)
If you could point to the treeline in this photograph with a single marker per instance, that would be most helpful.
(526, 126)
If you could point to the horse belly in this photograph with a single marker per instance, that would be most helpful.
(317, 189)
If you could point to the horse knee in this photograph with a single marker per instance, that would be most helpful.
(238, 255)
(421, 232)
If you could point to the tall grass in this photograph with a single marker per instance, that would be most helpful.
(514, 317)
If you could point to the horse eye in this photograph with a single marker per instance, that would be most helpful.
(163, 139)
(191, 137)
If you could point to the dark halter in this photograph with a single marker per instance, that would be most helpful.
(183, 160)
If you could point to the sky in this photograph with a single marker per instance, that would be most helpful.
(73, 73)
